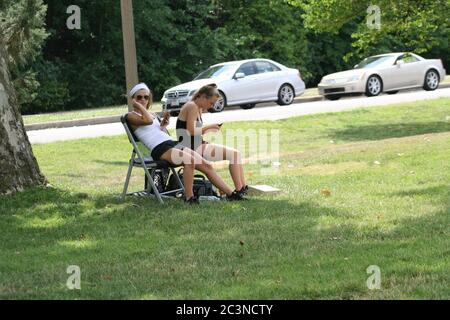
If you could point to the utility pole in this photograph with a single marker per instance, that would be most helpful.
(129, 46)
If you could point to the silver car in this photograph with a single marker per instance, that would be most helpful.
(384, 73)
(242, 83)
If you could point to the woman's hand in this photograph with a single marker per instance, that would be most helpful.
(147, 118)
(138, 105)
(211, 128)
(165, 119)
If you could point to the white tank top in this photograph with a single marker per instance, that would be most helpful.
(151, 135)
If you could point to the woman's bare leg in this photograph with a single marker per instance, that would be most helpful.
(205, 166)
(177, 157)
(218, 152)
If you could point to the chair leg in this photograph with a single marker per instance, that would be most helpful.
(177, 178)
(127, 181)
(152, 185)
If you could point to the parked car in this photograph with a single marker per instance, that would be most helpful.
(242, 83)
(384, 73)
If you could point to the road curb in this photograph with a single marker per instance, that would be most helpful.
(114, 119)
(72, 123)
(109, 119)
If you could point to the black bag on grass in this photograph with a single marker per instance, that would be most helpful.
(202, 186)
(160, 179)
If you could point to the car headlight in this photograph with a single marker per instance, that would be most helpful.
(191, 93)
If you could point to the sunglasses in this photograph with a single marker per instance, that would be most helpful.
(142, 97)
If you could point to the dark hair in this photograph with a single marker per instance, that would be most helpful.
(208, 91)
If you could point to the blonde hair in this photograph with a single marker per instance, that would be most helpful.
(207, 91)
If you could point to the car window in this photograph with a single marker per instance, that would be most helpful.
(217, 72)
(376, 61)
(265, 66)
(247, 68)
(407, 58)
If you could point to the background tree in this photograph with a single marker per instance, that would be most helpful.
(406, 25)
(176, 39)
(20, 36)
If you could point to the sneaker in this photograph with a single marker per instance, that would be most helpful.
(235, 196)
(244, 190)
(192, 200)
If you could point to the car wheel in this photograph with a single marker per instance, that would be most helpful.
(247, 106)
(220, 104)
(431, 80)
(286, 95)
(374, 86)
(392, 92)
(333, 97)
(174, 113)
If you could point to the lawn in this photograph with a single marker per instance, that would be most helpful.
(359, 188)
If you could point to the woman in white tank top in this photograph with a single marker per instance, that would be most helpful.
(153, 134)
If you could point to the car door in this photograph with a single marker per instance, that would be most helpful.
(268, 76)
(408, 73)
(244, 89)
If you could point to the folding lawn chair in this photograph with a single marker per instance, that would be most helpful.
(149, 165)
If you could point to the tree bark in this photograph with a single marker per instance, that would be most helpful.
(18, 166)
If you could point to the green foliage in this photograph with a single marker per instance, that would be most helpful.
(22, 32)
(21, 28)
(52, 93)
(406, 25)
(265, 29)
(177, 39)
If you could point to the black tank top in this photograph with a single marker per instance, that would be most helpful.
(183, 135)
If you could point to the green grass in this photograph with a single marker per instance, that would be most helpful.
(387, 173)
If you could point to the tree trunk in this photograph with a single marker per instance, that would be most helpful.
(18, 166)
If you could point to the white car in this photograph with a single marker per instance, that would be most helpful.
(242, 83)
(384, 73)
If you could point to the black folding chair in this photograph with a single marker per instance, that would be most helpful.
(149, 165)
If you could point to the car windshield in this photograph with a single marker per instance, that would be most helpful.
(217, 71)
(373, 62)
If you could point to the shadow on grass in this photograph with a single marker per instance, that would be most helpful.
(386, 131)
(436, 191)
(260, 249)
(113, 163)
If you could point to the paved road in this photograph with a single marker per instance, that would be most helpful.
(255, 114)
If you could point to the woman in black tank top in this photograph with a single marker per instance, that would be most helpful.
(190, 131)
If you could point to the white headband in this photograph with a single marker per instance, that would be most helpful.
(140, 86)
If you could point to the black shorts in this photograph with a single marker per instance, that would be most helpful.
(161, 148)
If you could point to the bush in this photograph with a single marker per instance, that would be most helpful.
(52, 92)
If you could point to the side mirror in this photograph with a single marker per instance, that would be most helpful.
(239, 75)
(400, 62)
(355, 66)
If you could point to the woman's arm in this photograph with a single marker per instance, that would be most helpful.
(136, 120)
(210, 128)
(191, 120)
